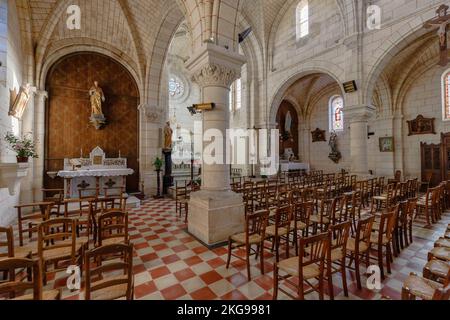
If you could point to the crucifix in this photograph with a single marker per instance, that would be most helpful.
(442, 21)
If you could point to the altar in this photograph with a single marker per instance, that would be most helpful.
(286, 166)
(94, 175)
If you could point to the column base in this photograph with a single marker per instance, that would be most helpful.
(215, 215)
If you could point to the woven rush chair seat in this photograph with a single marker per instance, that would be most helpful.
(316, 218)
(46, 296)
(61, 253)
(240, 238)
(381, 198)
(351, 246)
(270, 231)
(290, 266)
(336, 254)
(442, 242)
(25, 251)
(437, 267)
(112, 292)
(441, 253)
(300, 225)
(421, 287)
(374, 238)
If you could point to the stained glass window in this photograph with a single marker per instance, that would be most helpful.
(302, 19)
(336, 113)
(446, 95)
(236, 95)
(176, 87)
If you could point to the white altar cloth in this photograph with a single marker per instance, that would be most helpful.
(96, 173)
(292, 166)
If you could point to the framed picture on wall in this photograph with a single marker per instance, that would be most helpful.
(387, 144)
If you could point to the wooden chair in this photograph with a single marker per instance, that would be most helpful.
(113, 228)
(255, 231)
(56, 196)
(384, 201)
(321, 220)
(57, 242)
(358, 246)
(17, 289)
(280, 229)
(181, 198)
(8, 250)
(308, 265)
(406, 219)
(336, 256)
(418, 287)
(31, 219)
(115, 286)
(437, 270)
(301, 213)
(426, 183)
(425, 206)
(118, 195)
(382, 238)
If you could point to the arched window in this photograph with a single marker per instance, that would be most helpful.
(236, 95)
(336, 113)
(446, 95)
(302, 19)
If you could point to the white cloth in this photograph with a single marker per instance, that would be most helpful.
(96, 173)
(288, 166)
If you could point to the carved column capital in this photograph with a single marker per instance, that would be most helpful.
(359, 113)
(215, 66)
(215, 74)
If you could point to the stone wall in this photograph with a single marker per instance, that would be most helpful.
(10, 79)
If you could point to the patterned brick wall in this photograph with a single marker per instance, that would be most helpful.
(68, 111)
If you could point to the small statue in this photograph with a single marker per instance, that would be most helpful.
(168, 132)
(97, 98)
(335, 155)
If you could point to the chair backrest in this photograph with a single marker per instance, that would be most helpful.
(313, 250)
(113, 225)
(398, 175)
(33, 281)
(283, 217)
(256, 223)
(364, 230)
(6, 242)
(339, 234)
(56, 234)
(387, 224)
(123, 263)
(338, 214)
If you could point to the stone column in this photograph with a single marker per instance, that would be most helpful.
(40, 99)
(215, 212)
(359, 117)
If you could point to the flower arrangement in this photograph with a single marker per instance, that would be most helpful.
(24, 146)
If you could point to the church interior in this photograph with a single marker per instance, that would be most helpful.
(224, 150)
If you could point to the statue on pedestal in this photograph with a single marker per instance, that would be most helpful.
(97, 98)
(167, 152)
(335, 155)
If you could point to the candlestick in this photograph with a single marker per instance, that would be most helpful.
(120, 155)
(81, 153)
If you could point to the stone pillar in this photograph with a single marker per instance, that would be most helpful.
(39, 135)
(215, 212)
(359, 117)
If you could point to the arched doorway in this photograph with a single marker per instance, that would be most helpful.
(287, 122)
(68, 130)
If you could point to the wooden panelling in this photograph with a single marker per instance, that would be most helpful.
(68, 110)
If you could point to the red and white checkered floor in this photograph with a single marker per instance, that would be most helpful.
(171, 264)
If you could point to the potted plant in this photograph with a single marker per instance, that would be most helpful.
(24, 147)
(158, 163)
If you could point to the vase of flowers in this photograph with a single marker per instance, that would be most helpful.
(24, 146)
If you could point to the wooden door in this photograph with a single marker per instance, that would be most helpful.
(431, 162)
